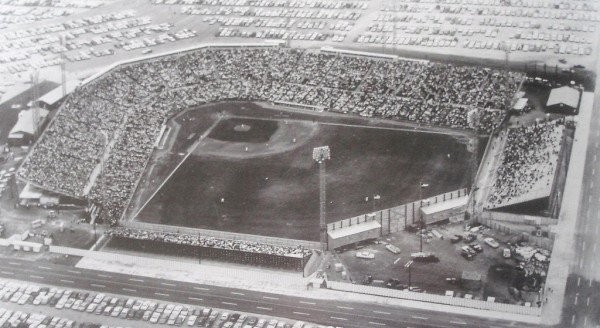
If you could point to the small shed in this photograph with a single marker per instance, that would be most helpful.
(448, 209)
(353, 234)
(564, 100)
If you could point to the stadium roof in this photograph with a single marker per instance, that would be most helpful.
(353, 229)
(446, 205)
(564, 95)
(25, 124)
(55, 94)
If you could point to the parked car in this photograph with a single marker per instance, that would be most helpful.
(506, 253)
(476, 247)
(455, 239)
(491, 242)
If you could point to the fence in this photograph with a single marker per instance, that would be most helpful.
(485, 216)
(433, 298)
(397, 218)
(161, 228)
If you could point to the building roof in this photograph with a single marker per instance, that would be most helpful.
(353, 229)
(25, 124)
(520, 104)
(55, 94)
(564, 95)
(446, 205)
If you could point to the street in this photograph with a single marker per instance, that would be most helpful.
(337, 313)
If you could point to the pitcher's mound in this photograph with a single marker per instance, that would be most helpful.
(242, 128)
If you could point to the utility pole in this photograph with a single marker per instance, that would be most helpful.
(421, 186)
(408, 265)
(63, 63)
(320, 155)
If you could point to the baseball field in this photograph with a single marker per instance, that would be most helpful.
(249, 169)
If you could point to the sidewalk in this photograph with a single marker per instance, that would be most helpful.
(563, 251)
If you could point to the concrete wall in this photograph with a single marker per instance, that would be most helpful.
(434, 298)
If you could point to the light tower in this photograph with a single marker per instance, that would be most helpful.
(320, 155)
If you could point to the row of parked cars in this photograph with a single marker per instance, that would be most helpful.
(149, 311)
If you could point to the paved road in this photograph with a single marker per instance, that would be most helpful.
(337, 313)
(582, 297)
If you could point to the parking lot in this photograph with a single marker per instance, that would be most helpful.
(467, 254)
(118, 311)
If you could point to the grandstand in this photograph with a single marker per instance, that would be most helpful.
(131, 101)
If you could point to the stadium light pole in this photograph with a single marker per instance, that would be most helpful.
(320, 155)
(408, 265)
(421, 186)
(102, 178)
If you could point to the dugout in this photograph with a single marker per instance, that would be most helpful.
(447, 210)
(353, 234)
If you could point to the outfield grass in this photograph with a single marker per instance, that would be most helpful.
(271, 188)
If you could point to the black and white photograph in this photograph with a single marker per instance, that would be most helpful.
(299, 163)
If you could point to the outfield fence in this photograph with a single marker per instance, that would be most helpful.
(397, 218)
(434, 298)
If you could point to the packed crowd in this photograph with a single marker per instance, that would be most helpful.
(209, 242)
(528, 162)
(131, 102)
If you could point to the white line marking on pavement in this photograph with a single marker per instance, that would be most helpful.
(97, 285)
(578, 281)
(134, 279)
(73, 271)
(45, 268)
(104, 276)
(397, 260)
(67, 281)
(338, 318)
(301, 313)
(264, 308)
(195, 298)
(583, 245)
(310, 303)
(229, 303)
(167, 284)
(377, 323)
(161, 294)
(459, 322)
(573, 319)
(14, 263)
(584, 321)
(269, 298)
(588, 301)
(417, 317)
(345, 307)
(238, 293)
(381, 312)
(130, 290)
(201, 288)
(6, 272)
(575, 301)
(36, 277)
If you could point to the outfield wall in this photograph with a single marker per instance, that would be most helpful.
(397, 218)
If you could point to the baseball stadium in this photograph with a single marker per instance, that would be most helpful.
(211, 146)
